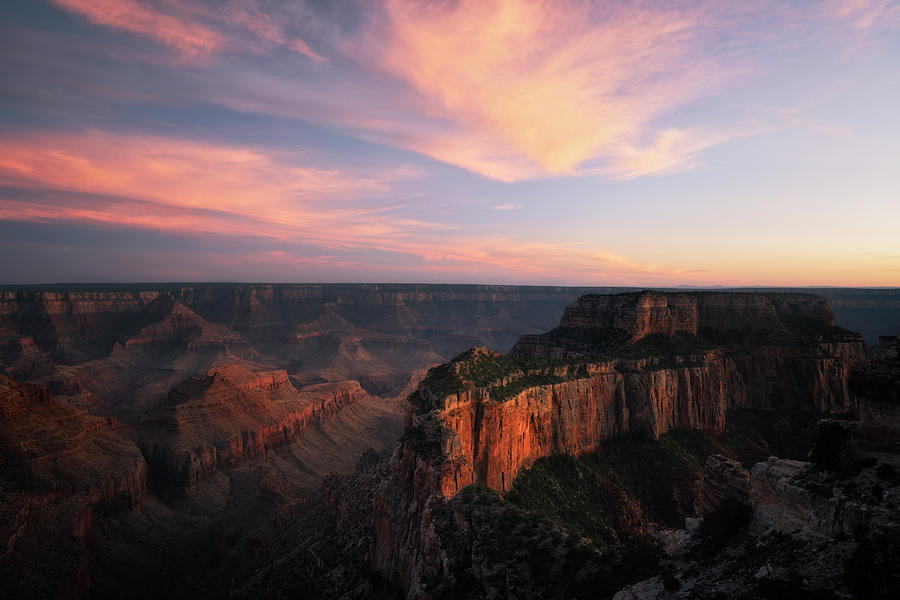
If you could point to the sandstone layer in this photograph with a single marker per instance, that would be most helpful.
(230, 416)
(635, 363)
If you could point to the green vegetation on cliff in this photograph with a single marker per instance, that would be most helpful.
(608, 494)
(652, 477)
(498, 549)
(426, 438)
(520, 384)
(576, 527)
(504, 376)
(476, 367)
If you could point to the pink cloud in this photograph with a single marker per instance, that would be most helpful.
(522, 89)
(248, 16)
(673, 151)
(191, 28)
(199, 188)
(291, 215)
(866, 14)
(190, 39)
(509, 89)
(529, 88)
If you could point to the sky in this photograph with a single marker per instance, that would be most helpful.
(563, 142)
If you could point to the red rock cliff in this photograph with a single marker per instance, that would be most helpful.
(483, 417)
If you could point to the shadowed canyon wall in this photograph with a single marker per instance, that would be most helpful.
(640, 363)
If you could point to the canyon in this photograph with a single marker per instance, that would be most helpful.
(227, 403)
(177, 430)
(636, 363)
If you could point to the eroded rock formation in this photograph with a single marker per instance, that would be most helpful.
(642, 363)
(59, 467)
(232, 415)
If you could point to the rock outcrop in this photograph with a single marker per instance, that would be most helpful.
(84, 323)
(635, 363)
(230, 416)
(812, 531)
(877, 386)
(823, 528)
(59, 467)
(65, 450)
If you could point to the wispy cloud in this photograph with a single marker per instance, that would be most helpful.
(538, 87)
(866, 14)
(673, 151)
(193, 29)
(197, 188)
(192, 40)
(368, 95)
(508, 89)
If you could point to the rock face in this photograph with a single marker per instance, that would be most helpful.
(639, 315)
(66, 450)
(642, 363)
(779, 490)
(117, 350)
(498, 425)
(242, 397)
(722, 477)
(232, 415)
(824, 528)
(451, 317)
(878, 385)
(59, 468)
(597, 324)
(792, 497)
(488, 441)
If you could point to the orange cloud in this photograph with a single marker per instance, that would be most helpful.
(535, 87)
(176, 171)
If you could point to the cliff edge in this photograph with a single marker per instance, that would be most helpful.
(640, 363)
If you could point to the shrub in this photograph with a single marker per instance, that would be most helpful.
(828, 444)
(671, 584)
(871, 570)
(887, 471)
(729, 518)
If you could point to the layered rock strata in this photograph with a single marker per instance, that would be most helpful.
(878, 386)
(64, 450)
(232, 415)
(792, 497)
(640, 363)
(59, 466)
(117, 350)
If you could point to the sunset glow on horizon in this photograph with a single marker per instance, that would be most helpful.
(538, 142)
